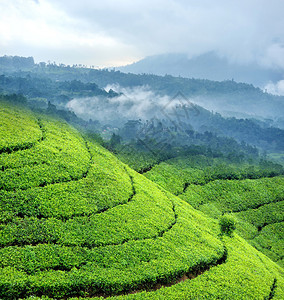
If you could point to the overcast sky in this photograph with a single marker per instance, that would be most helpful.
(117, 32)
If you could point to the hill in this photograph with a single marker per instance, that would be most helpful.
(248, 190)
(177, 116)
(76, 221)
(251, 194)
(226, 96)
(205, 66)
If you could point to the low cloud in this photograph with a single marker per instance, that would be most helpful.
(275, 89)
(132, 104)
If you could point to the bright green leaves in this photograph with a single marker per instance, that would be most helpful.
(19, 128)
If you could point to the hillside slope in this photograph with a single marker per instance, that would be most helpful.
(253, 194)
(75, 221)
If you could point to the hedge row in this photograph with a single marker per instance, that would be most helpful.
(177, 174)
(62, 156)
(19, 128)
(60, 271)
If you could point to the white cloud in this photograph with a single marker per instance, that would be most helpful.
(275, 89)
(40, 29)
(274, 56)
(116, 31)
(138, 102)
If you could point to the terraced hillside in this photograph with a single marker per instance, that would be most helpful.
(243, 191)
(76, 222)
(257, 205)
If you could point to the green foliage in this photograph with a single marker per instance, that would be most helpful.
(255, 204)
(96, 227)
(247, 274)
(237, 195)
(215, 187)
(178, 173)
(266, 214)
(137, 160)
(227, 225)
(99, 227)
(61, 156)
(19, 128)
(270, 241)
(145, 152)
(114, 141)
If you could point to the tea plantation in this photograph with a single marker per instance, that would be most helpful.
(77, 222)
(253, 195)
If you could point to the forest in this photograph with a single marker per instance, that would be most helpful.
(81, 90)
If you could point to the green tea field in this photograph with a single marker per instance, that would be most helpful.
(76, 222)
(252, 195)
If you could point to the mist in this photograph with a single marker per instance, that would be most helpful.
(145, 103)
(275, 88)
(133, 103)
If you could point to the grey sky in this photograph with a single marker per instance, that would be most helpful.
(116, 32)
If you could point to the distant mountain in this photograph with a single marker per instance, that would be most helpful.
(206, 66)
(59, 83)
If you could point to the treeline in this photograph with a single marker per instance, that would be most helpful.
(59, 84)
(245, 130)
(162, 135)
(229, 91)
(143, 154)
(16, 62)
(55, 91)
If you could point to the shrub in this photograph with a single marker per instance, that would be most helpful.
(227, 225)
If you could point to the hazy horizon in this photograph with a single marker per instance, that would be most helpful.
(116, 33)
